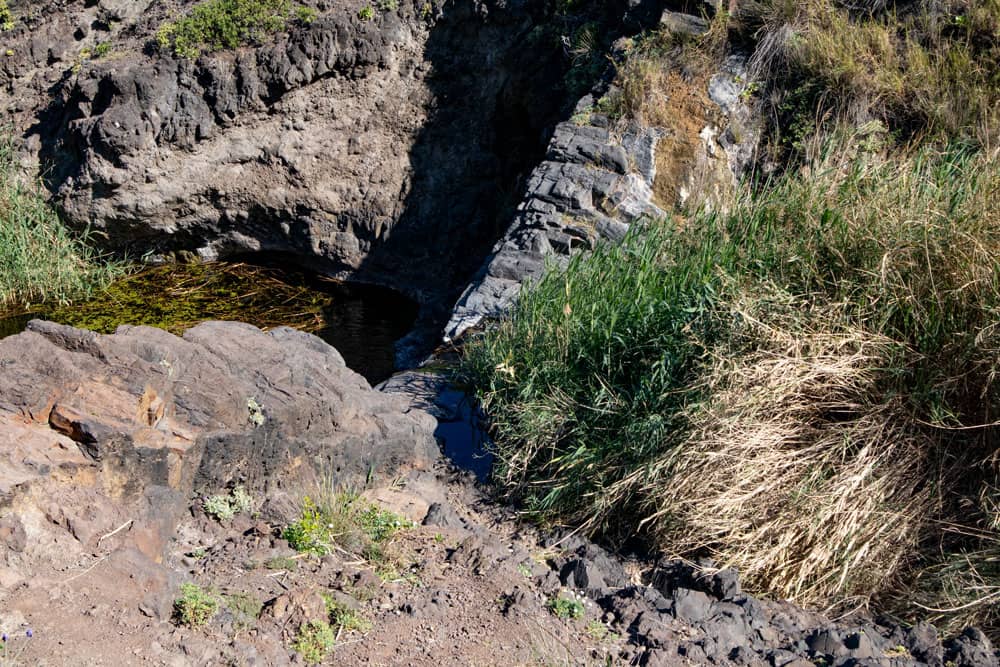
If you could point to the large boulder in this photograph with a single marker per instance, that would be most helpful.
(144, 413)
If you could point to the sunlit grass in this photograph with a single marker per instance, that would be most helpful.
(40, 259)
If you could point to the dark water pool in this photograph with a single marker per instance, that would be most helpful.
(464, 438)
(362, 321)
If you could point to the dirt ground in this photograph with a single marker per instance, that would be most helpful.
(472, 591)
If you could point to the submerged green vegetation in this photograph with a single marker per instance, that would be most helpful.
(804, 386)
(176, 297)
(40, 259)
(215, 25)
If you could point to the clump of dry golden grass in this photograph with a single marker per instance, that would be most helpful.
(797, 470)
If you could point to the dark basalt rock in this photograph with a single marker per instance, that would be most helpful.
(692, 615)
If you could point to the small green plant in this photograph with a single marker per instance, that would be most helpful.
(525, 570)
(218, 508)
(566, 605)
(6, 18)
(314, 641)
(245, 608)
(363, 593)
(255, 412)
(305, 14)
(282, 563)
(241, 501)
(388, 5)
(343, 520)
(427, 11)
(898, 651)
(380, 525)
(392, 571)
(751, 89)
(366, 13)
(344, 618)
(582, 117)
(438, 538)
(226, 506)
(310, 533)
(102, 49)
(196, 606)
(599, 632)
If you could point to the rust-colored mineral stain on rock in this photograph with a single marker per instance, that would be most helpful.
(66, 421)
(151, 407)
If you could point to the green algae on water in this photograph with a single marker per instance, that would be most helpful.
(362, 322)
(176, 297)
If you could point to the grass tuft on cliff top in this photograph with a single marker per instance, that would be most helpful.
(216, 25)
(40, 260)
(805, 386)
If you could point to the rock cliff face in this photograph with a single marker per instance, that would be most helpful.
(601, 175)
(382, 149)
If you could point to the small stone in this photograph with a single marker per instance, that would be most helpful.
(683, 24)
(826, 643)
(725, 584)
(859, 646)
(442, 516)
(923, 643)
(691, 606)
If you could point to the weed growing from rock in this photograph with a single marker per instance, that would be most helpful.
(196, 606)
(566, 605)
(366, 13)
(255, 412)
(6, 18)
(225, 507)
(343, 520)
(314, 641)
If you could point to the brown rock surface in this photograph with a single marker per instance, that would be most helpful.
(226, 403)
